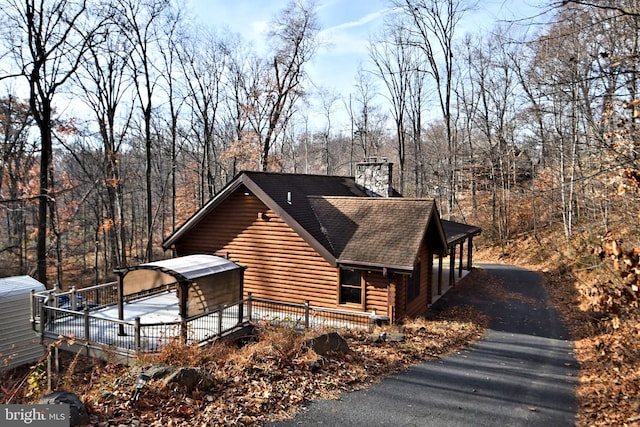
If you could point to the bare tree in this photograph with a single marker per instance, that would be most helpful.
(17, 161)
(495, 82)
(365, 116)
(140, 21)
(203, 59)
(396, 64)
(173, 32)
(431, 26)
(47, 40)
(105, 82)
(327, 101)
(293, 36)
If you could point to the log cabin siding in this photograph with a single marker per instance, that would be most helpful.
(401, 281)
(377, 293)
(280, 264)
(209, 292)
(419, 304)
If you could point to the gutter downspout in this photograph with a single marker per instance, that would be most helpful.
(385, 274)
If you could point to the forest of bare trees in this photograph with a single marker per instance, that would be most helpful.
(529, 124)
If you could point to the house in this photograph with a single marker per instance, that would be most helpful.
(331, 241)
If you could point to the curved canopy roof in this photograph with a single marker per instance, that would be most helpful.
(188, 268)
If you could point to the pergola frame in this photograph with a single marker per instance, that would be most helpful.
(182, 271)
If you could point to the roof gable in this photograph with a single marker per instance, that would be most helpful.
(384, 232)
(338, 219)
(285, 194)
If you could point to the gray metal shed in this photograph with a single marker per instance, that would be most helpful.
(19, 343)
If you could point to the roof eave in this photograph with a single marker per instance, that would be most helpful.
(373, 265)
(473, 233)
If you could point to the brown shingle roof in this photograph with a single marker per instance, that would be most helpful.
(273, 189)
(295, 188)
(337, 218)
(374, 231)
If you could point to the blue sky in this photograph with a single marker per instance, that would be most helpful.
(346, 28)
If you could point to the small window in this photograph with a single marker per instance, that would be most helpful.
(413, 287)
(350, 287)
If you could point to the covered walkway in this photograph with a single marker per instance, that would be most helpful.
(448, 270)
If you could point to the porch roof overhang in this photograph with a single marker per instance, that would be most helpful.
(457, 232)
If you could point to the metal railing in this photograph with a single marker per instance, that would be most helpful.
(133, 337)
(92, 297)
(81, 325)
(136, 337)
(304, 315)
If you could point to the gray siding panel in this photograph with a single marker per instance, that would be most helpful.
(19, 344)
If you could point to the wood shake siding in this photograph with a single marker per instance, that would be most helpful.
(280, 264)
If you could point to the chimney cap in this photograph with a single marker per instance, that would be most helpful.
(376, 159)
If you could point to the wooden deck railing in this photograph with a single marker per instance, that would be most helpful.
(134, 337)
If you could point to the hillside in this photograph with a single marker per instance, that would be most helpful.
(271, 378)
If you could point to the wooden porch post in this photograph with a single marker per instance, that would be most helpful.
(470, 253)
(461, 256)
(440, 274)
(429, 269)
(184, 294)
(120, 274)
(452, 266)
(241, 305)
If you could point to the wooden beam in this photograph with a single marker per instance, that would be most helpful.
(184, 295)
(440, 274)
(121, 301)
(429, 277)
(452, 266)
(461, 257)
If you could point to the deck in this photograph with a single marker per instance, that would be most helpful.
(149, 323)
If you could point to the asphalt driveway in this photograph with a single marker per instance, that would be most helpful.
(521, 373)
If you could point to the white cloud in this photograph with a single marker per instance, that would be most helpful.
(365, 20)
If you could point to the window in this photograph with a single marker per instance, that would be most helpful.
(413, 287)
(350, 287)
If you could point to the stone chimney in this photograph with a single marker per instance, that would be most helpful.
(374, 174)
